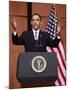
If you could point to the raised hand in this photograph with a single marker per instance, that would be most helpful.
(59, 28)
(14, 24)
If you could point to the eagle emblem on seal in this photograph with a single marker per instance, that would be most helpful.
(38, 64)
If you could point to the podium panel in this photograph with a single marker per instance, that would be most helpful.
(36, 67)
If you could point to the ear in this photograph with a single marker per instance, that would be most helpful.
(31, 22)
(41, 23)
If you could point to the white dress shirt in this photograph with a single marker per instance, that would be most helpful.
(36, 34)
(14, 33)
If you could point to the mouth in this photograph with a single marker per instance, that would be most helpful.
(35, 26)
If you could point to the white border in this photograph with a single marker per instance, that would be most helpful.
(4, 43)
(44, 1)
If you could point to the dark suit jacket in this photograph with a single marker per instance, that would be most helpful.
(31, 45)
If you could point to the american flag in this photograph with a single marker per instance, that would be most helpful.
(52, 29)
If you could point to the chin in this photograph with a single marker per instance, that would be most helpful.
(36, 28)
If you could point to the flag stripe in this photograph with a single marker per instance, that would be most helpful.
(61, 72)
(60, 68)
(62, 50)
(60, 61)
(61, 78)
(61, 57)
(58, 81)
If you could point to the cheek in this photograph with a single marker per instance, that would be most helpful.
(38, 24)
(32, 23)
(35, 23)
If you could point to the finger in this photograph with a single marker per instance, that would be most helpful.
(11, 20)
(13, 26)
(14, 21)
(61, 25)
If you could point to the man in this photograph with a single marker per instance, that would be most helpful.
(35, 40)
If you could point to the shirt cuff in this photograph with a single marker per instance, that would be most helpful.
(15, 33)
(58, 36)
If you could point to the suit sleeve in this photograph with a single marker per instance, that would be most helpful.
(52, 43)
(18, 40)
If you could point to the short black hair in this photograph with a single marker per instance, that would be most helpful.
(37, 15)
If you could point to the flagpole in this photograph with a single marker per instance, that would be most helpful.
(54, 6)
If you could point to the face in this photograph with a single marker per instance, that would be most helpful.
(35, 22)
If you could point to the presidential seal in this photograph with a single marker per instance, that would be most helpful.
(38, 64)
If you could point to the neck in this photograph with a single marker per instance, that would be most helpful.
(35, 29)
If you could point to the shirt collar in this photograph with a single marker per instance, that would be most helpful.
(35, 30)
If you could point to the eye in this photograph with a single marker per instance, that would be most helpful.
(37, 20)
(33, 19)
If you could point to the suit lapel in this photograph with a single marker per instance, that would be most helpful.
(40, 36)
(32, 36)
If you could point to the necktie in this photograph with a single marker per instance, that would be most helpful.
(35, 35)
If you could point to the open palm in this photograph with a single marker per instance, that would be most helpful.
(14, 24)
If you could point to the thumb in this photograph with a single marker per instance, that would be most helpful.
(15, 22)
